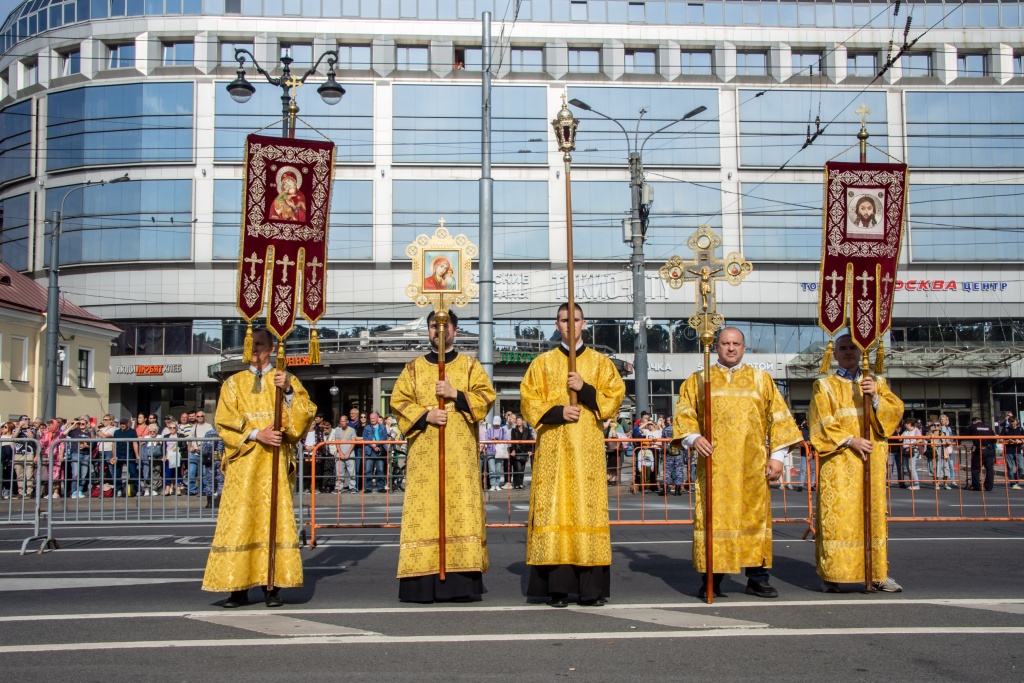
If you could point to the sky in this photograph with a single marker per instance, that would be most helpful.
(7, 5)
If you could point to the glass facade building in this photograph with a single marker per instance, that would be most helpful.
(144, 93)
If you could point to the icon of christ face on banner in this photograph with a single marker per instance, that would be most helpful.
(289, 203)
(865, 208)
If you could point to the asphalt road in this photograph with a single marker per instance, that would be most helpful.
(123, 603)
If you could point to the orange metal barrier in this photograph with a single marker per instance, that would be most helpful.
(629, 496)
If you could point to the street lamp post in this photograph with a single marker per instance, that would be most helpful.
(53, 299)
(638, 232)
(330, 91)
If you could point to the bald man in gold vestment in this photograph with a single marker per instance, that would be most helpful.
(836, 416)
(568, 542)
(748, 411)
(245, 422)
(468, 395)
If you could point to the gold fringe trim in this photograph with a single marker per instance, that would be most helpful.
(314, 348)
(826, 360)
(247, 346)
(880, 358)
(281, 364)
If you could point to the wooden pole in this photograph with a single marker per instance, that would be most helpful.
(865, 432)
(709, 551)
(441, 319)
(275, 457)
(865, 428)
(571, 280)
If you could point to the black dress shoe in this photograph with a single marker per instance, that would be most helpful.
(702, 592)
(271, 598)
(596, 602)
(558, 600)
(761, 590)
(236, 599)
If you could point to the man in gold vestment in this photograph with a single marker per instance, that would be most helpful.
(568, 542)
(748, 412)
(836, 416)
(245, 422)
(468, 396)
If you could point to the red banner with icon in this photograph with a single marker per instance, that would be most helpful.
(863, 230)
(286, 200)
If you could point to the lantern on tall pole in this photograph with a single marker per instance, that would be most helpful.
(565, 125)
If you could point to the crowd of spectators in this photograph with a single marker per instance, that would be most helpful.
(85, 457)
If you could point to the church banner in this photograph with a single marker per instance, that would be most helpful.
(286, 200)
(863, 229)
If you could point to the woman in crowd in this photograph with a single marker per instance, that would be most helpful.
(172, 461)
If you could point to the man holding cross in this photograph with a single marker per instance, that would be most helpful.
(748, 411)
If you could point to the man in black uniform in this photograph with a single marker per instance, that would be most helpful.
(983, 450)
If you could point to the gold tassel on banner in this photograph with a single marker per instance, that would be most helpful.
(314, 348)
(880, 358)
(826, 360)
(281, 364)
(247, 346)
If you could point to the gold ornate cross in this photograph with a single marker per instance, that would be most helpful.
(313, 265)
(252, 261)
(285, 262)
(294, 83)
(863, 112)
(704, 271)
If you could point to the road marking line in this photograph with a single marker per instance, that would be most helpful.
(1014, 608)
(863, 601)
(43, 583)
(505, 637)
(280, 625)
(689, 620)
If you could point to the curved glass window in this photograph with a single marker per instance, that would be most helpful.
(520, 214)
(144, 220)
(688, 143)
(773, 126)
(14, 231)
(119, 124)
(781, 221)
(441, 124)
(350, 226)
(966, 222)
(16, 141)
(965, 129)
(349, 123)
(598, 208)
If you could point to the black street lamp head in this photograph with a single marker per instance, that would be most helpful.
(330, 91)
(579, 104)
(694, 112)
(240, 89)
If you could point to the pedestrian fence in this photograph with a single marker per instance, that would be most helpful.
(650, 482)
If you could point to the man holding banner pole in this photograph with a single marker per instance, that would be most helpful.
(836, 419)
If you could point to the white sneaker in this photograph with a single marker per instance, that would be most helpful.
(507, 486)
(1015, 487)
(888, 586)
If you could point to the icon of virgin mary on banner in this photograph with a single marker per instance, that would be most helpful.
(863, 230)
(286, 200)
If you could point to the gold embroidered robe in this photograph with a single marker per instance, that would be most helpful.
(569, 497)
(837, 411)
(238, 558)
(465, 531)
(747, 408)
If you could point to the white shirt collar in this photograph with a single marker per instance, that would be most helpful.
(579, 344)
(268, 368)
(732, 369)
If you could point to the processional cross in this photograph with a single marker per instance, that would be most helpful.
(704, 271)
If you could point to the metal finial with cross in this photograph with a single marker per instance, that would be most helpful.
(863, 112)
